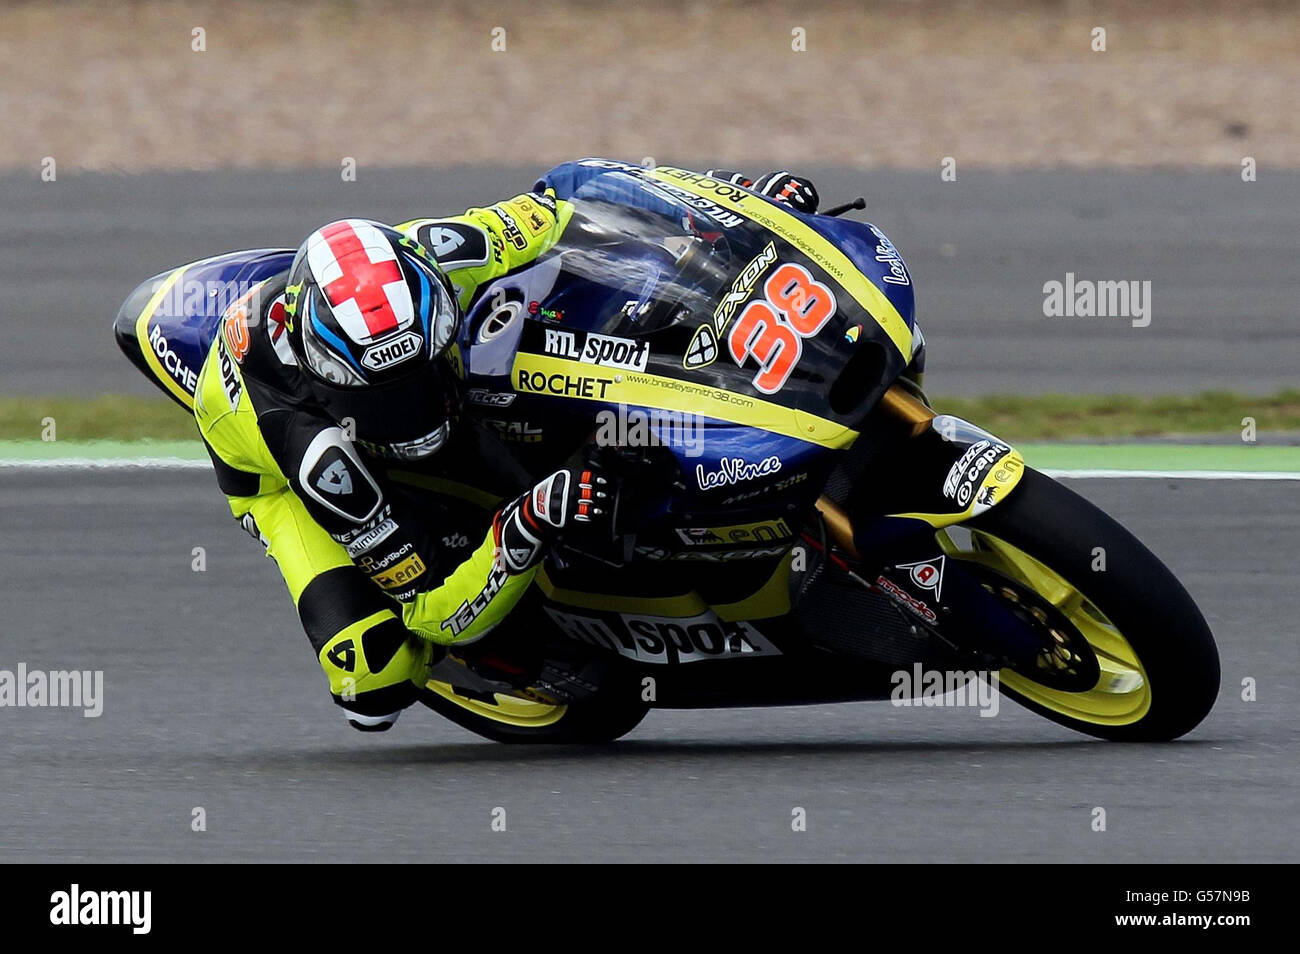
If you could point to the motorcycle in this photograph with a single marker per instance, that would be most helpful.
(796, 524)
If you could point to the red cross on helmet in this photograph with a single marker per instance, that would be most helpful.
(372, 316)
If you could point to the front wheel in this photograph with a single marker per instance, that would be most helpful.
(1091, 587)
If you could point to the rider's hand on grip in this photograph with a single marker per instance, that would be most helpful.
(576, 501)
(790, 188)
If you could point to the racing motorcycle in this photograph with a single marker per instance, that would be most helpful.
(795, 523)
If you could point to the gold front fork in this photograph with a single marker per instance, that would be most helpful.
(905, 407)
(902, 406)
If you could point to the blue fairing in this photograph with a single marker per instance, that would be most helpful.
(568, 177)
(864, 244)
(183, 324)
(621, 275)
(868, 248)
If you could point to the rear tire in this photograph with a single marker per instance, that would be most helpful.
(594, 721)
(1137, 594)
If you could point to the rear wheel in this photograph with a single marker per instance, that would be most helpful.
(602, 718)
(1091, 587)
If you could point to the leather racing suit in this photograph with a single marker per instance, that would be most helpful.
(383, 558)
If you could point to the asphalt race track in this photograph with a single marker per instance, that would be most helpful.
(1220, 255)
(212, 699)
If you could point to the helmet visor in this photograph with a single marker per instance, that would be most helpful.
(402, 418)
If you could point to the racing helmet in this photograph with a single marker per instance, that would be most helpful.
(370, 316)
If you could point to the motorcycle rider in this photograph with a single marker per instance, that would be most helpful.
(329, 408)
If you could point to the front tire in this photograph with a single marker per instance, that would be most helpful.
(1159, 666)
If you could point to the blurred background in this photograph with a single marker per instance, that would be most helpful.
(119, 85)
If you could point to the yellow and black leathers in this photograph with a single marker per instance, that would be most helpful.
(383, 558)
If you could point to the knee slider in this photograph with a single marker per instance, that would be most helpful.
(374, 665)
(378, 671)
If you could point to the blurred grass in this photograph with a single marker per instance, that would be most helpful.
(107, 417)
(1064, 416)
(1012, 417)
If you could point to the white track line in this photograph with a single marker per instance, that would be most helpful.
(106, 463)
(1176, 474)
(180, 463)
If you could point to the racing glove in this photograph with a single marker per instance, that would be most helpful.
(783, 186)
(787, 187)
(577, 498)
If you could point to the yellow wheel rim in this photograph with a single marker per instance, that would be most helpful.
(510, 710)
(1122, 694)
